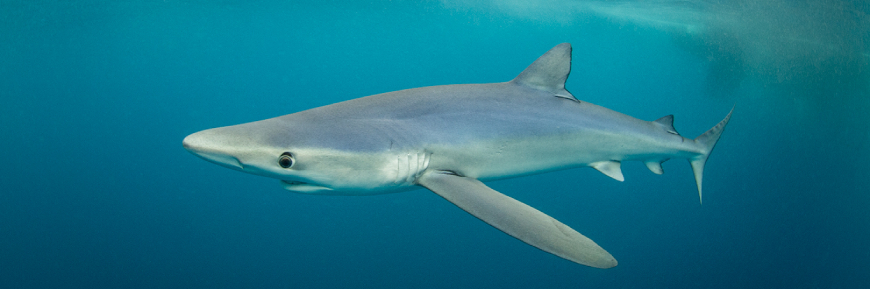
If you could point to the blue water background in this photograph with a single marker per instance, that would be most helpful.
(96, 190)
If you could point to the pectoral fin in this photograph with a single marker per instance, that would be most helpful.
(517, 219)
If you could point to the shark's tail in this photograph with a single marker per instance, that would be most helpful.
(707, 141)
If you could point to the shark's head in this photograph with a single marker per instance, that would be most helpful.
(325, 158)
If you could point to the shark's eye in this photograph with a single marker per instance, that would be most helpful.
(286, 160)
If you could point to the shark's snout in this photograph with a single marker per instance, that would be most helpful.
(189, 143)
(204, 145)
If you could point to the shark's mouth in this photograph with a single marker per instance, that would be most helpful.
(303, 187)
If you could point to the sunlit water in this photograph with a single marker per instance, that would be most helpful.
(96, 190)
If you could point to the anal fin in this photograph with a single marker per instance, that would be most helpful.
(655, 167)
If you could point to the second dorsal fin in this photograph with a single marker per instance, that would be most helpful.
(667, 123)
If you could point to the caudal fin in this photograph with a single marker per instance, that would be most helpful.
(708, 141)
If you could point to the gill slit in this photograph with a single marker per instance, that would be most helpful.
(409, 166)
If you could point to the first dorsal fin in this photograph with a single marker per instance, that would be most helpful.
(667, 123)
(549, 72)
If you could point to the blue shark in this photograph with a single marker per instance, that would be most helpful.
(450, 139)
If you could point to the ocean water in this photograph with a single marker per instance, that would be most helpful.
(97, 192)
